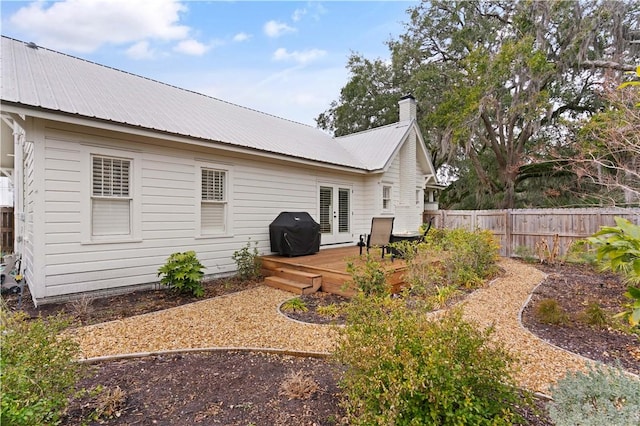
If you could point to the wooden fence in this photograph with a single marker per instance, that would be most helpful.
(519, 229)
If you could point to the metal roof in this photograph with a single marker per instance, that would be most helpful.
(375, 147)
(37, 77)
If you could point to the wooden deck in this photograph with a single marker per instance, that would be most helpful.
(325, 271)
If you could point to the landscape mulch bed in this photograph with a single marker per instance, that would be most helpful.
(237, 388)
(576, 288)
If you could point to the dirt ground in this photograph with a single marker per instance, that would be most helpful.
(239, 388)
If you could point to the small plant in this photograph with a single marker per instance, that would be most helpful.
(82, 307)
(110, 403)
(618, 250)
(579, 252)
(330, 311)
(526, 254)
(442, 295)
(548, 254)
(248, 262)
(369, 277)
(183, 273)
(299, 385)
(594, 315)
(549, 311)
(602, 396)
(37, 368)
(294, 305)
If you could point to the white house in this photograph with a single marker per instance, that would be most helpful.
(113, 172)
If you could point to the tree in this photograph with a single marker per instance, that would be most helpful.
(500, 83)
(608, 150)
(368, 100)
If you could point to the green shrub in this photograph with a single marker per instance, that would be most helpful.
(248, 262)
(404, 369)
(549, 311)
(37, 369)
(471, 256)
(602, 396)
(618, 249)
(183, 273)
(423, 274)
(369, 277)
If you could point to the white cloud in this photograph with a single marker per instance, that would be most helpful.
(140, 50)
(276, 29)
(298, 14)
(191, 47)
(301, 57)
(84, 26)
(240, 37)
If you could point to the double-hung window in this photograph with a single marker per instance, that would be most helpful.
(386, 197)
(111, 199)
(214, 202)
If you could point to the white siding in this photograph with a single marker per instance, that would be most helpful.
(169, 175)
(26, 218)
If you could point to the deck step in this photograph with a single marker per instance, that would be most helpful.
(295, 275)
(309, 282)
(289, 285)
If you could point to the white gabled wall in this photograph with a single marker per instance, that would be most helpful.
(168, 178)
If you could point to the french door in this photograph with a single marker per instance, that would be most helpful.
(335, 213)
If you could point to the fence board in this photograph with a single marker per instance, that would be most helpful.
(518, 229)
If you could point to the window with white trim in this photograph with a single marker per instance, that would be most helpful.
(110, 196)
(386, 197)
(214, 203)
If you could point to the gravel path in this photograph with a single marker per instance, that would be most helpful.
(499, 305)
(251, 319)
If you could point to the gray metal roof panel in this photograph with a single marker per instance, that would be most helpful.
(42, 78)
(375, 147)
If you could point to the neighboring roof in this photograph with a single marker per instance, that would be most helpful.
(44, 79)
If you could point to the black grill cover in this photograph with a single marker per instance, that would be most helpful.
(294, 234)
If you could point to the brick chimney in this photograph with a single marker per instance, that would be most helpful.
(408, 109)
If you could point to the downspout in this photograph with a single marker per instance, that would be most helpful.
(18, 190)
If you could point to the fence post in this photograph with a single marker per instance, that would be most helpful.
(508, 232)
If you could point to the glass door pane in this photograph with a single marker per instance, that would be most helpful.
(344, 210)
(326, 210)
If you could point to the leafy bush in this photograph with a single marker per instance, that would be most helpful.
(37, 368)
(602, 396)
(183, 273)
(618, 249)
(404, 369)
(248, 262)
(369, 277)
(470, 257)
(549, 311)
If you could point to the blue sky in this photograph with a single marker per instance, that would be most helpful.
(284, 58)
